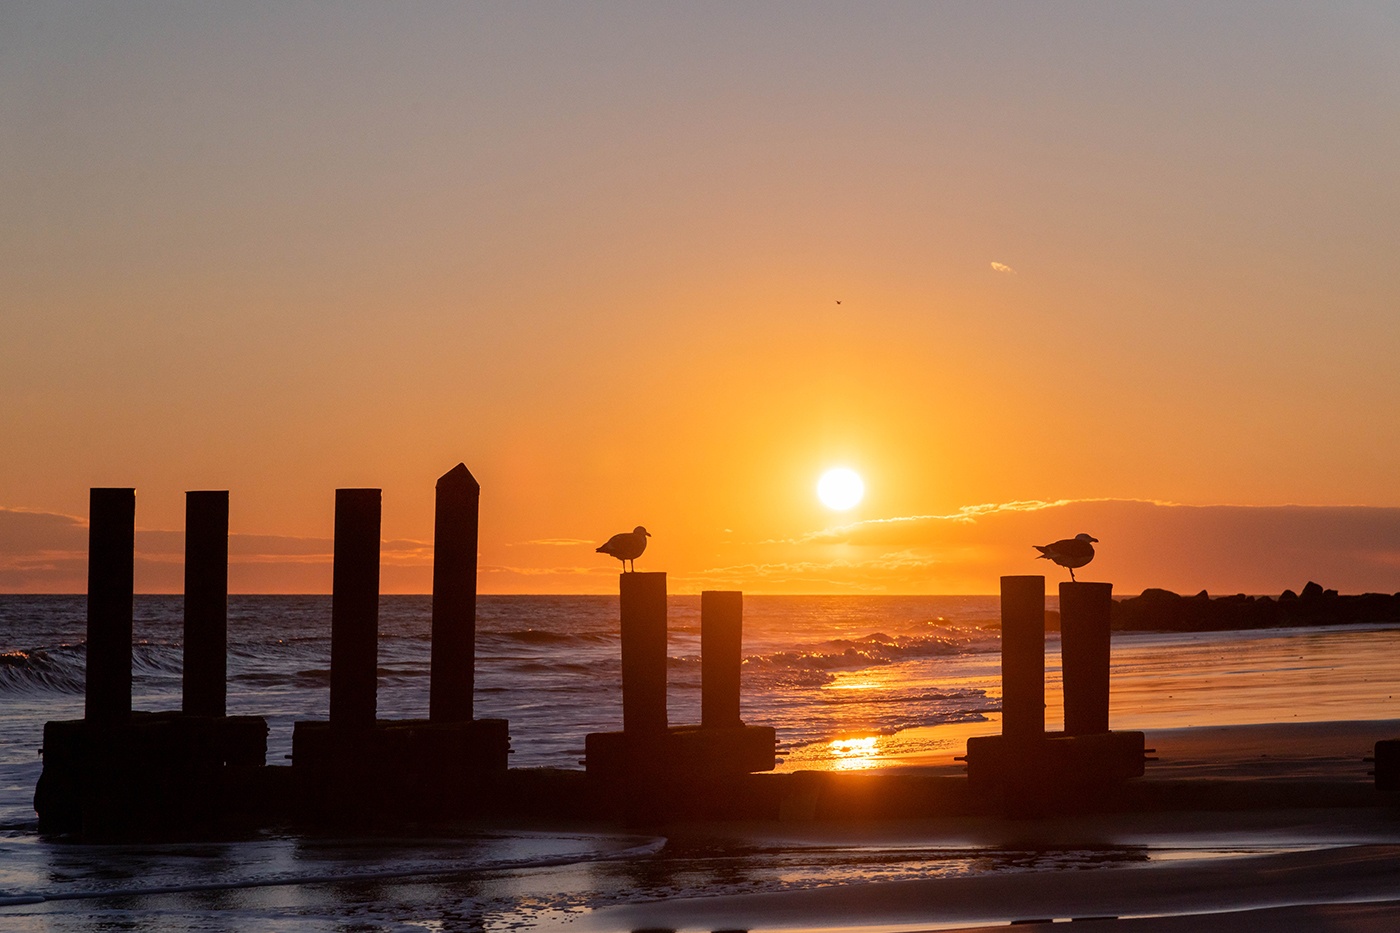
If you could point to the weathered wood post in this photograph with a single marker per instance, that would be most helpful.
(206, 603)
(721, 657)
(1085, 610)
(663, 769)
(111, 589)
(1035, 771)
(355, 609)
(1023, 657)
(452, 669)
(643, 603)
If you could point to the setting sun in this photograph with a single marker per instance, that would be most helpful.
(840, 489)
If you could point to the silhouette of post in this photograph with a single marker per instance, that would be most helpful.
(643, 603)
(1023, 656)
(454, 597)
(721, 638)
(111, 586)
(355, 609)
(206, 603)
(1085, 610)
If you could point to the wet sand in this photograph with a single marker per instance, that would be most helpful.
(1296, 839)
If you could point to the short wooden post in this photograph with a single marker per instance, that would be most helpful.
(452, 668)
(643, 605)
(355, 609)
(1085, 611)
(111, 589)
(1023, 656)
(721, 657)
(206, 603)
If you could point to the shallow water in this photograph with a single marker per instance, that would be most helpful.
(849, 682)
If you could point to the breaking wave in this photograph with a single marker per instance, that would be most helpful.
(59, 670)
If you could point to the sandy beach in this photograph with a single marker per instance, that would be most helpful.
(1258, 812)
(1293, 836)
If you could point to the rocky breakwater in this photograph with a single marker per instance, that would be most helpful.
(1163, 610)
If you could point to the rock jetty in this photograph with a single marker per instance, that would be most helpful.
(1163, 610)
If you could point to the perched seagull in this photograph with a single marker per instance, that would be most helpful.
(627, 546)
(1069, 553)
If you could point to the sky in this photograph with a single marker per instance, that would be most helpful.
(1030, 269)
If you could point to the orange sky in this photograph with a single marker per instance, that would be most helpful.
(1083, 254)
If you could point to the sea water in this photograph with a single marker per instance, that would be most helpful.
(829, 673)
(550, 665)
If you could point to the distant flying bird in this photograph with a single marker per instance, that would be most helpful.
(627, 546)
(1070, 552)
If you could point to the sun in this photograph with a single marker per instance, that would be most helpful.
(840, 488)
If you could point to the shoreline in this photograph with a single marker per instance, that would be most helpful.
(1356, 882)
(1238, 828)
(1268, 826)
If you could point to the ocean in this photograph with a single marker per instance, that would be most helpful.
(838, 677)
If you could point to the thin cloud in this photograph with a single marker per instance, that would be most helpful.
(1003, 268)
(546, 571)
(1144, 542)
(552, 542)
(966, 515)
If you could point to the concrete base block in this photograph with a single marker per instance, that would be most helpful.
(412, 766)
(1388, 765)
(681, 752)
(1055, 760)
(154, 775)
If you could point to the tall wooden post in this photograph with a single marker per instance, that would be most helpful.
(206, 603)
(454, 596)
(1023, 656)
(643, 603)
(355, 609)
(111, 588)
(1085, 612)
(721, 657)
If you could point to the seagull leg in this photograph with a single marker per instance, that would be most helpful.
(1071, 576)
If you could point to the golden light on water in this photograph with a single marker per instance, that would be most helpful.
(854, 754)
(840, 488)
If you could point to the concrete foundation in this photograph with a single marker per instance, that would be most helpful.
(152, 776)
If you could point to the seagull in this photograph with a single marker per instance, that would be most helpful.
(1070, 552)
(627, 546)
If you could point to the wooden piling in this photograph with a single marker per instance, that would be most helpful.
(643, 606)
(1023, 656)
(721, 656)
(355, 609)
(111, 588)
(454, 597)
(206, 603)
(1085, 609)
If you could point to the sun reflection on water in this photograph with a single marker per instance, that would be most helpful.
(855, 754)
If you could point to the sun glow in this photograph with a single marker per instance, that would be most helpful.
(840, 489)
(854, 754)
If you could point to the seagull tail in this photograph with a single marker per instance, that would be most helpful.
(1044, 551)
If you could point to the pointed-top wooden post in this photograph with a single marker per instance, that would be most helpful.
(206, 603)
(452, 670)
(111, 585)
